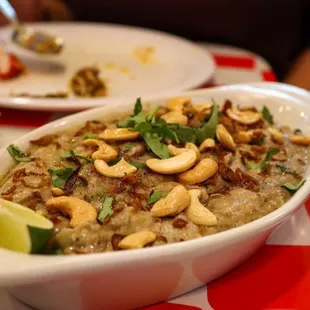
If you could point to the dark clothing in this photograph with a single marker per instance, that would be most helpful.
(275, 29)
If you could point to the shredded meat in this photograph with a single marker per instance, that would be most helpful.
(116, 239)
(228, 123)
(45, 140)
(259, 149)
(238, 178)
(34, 200)
(9, 191)
(21, 174)
(130, 179)
(68, 188)
(249, 154)
(224, 190)
(83, 180)
(91, 127)
(179, 223)
(227, 105)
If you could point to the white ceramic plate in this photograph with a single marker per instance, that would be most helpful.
(155, 274)
(176, 64)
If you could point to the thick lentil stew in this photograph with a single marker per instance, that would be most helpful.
(178, 172)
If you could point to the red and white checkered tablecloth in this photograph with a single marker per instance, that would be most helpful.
(277, 277)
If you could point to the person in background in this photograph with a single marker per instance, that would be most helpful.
(277, 30)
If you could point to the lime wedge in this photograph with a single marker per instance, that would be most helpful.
(21, 229)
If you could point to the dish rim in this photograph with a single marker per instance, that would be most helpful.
(35, 267)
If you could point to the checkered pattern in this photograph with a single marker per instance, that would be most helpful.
(278, 276)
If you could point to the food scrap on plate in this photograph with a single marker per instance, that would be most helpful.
(10, 66)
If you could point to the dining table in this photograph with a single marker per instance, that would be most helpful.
(277, 277)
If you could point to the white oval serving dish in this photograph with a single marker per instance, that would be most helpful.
(135, 278)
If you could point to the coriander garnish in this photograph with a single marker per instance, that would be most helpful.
(17, 154)
(267, 116)
(127, 147)
(71, 153)
(154, 197)
(60, 176)
(156, 131)
(287, 170)
(107, 209)
(293, 188)
(90, 136)
(262, 163)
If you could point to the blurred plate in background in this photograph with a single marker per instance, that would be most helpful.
(132, 62)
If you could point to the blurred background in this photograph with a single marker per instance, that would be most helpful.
(276, 30)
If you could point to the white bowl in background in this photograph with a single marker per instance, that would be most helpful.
(135, 278)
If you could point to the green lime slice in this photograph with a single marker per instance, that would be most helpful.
(21, 229)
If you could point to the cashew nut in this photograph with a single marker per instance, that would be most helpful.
(119, 170)
(197, 213)
(245, 136)
(276, 135)
(207, 144)
(188, 146)
(175, 117)
(203, 107)
(79, 210)
(244, 117)
(172, 165)
(279, 157)
(225, 137)
(300, 140)
(105, 151)
(57, 191)
(175, 202)
(118, 134)
(204, 170)
(177, 103)
(137, 240)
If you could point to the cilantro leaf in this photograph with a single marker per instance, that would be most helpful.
(208, 129)
(107, 209)
(154, 197)
(131, 121)
(136, 118)
(262, 163)
(293, 188)
(127, 147)
(153, 141)
(114, 161)
(91, 198)
(138, 107)
(184, 133)
(59, 252)
(100, 193)
(267, 116)
(156, 131)
(17, 154)
(287, 170)
(71, 153)
(137, 164)
(151, 117)
(60, 176)
(90, 136)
